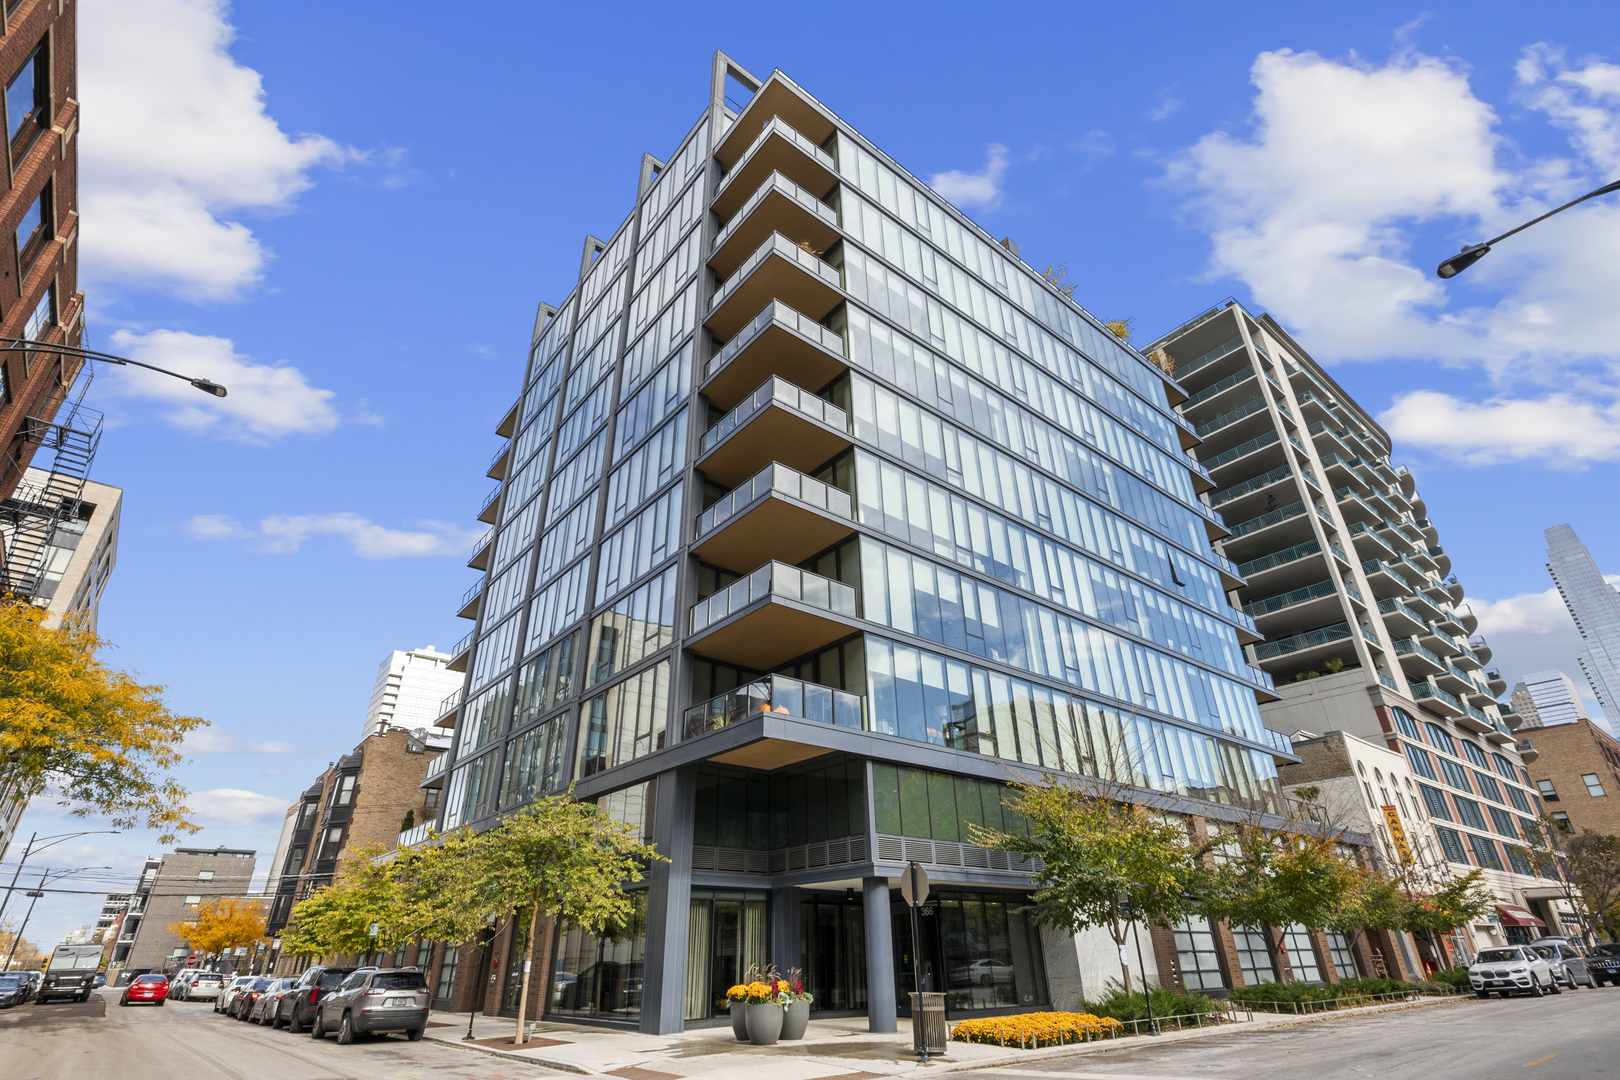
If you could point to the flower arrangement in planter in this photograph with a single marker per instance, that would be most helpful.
(795, 1005)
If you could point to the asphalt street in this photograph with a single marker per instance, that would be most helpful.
(1574, 1036)
(101, 1041)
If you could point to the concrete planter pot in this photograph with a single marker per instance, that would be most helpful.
(764, 1024)
(797, 1018)
(739, 1020)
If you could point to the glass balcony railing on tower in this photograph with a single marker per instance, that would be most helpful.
(776, 694)
(1310, 639)
(778, 132)
(779, 205)
(777, 422)
(779, 513)
(779, 269)
(777, 341)
(772, 615)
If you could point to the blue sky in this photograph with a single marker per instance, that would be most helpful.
(347, 213)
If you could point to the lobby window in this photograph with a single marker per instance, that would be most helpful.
(1547, 790)
(1562, 820)
(1594, 786)
(600, 977)
(1196, 956)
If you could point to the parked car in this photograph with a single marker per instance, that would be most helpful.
(177, 985)
(1566, 960)
(263, 1009)
(98, 982)
(204, 986)
(13, 990)
(297, 1007)
(1503, 971)
(222, 1003)
(249, 994)
(1604, 963)
(374, 1000)
(153, 989)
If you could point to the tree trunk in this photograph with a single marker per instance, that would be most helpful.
(1116, 932)
(523, 995)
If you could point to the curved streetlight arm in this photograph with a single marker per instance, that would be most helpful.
(1472, 253)
(24, 345)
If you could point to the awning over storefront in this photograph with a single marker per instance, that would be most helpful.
(1514, 915)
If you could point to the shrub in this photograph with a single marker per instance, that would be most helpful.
(1456, 978)
(1117, 1003)
(1274, 993)
(1031, 1030)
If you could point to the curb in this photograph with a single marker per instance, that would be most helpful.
(544, 1063)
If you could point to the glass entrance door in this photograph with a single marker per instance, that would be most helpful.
(832, 940)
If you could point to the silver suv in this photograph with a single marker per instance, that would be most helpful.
(374, 1000)
(1515, 968)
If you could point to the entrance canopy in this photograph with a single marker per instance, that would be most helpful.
(1514, 915)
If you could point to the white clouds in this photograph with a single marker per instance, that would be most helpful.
(209, 740)
(1560, 429)
(1314, 208)
(176, 140)
(265, 401)
(982, 188)
(284, 534)
(1168, 104)
(233, 806)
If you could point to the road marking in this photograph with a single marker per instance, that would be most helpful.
(1538, 1061)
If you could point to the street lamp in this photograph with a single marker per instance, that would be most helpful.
(30, 849)
(24, 345)
(1472, 253)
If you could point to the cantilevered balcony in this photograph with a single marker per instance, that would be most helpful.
(1481, 649)
(471, 601)
(777, 514)
(777, 341)
(1438, 640)
(1454, 681)
(1262, 452)
(781, 270)
(1368, 544)
(1213, 365)
(1385, 580)
(772, 615)
(492, 506)
(1501, 734)
(779, 148)
(1493, 679)
(1306, 605)
(1353, 506)
(1329, 437)
(1416, 660)
(459, 653)
(779, 205)
(482, 549)
(1242, 499)
(1217, 397)
(1288, 568)
(1284, 526)
(1426, 608)
(1341, 470)
(773, 694)
(498, 463)
(1434, 699)
(777, 422)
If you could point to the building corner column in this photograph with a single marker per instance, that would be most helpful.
(880, 1003)
(669, 905)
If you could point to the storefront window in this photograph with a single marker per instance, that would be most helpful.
(980, 949)
(1343, 962)
(599, 976)
(1302, 955)
(1196, 956)
(1253, 956)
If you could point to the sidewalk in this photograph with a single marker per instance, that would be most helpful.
(839, 1049)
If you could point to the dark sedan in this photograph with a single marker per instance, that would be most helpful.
(13, 990)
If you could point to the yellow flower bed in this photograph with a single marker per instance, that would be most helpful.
(1031, 1030)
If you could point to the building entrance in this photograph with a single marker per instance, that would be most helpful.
(832, 950)
(979, 949)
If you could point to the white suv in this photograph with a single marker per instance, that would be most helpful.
(1505, 970)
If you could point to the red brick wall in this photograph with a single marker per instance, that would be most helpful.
(1567, 751)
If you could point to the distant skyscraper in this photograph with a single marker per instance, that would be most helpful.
(410, 688)
(1595, 607)
(1552, 699)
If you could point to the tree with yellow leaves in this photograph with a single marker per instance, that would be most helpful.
(95, 735)
(225, 924)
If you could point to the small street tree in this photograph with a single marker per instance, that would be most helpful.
(1594, 870)
(1103, 859)
(224, 924)
(1446, 908)
(99, 738)
(561, 858)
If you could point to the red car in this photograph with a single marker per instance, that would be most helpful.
(151, 988)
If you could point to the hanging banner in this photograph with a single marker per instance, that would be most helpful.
(1397, 835)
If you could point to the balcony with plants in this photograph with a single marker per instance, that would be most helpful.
(775, 695)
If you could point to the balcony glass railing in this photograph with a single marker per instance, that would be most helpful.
(1217, 353)
(437, 766)
(472, 593)
(780, 184)
(780, 314)
(780, 581)
(781, 480)
(451, 701)
(1281, 514)
(1235, 379)
(1259, 442)
(787, 249)
(1279, 558)
(1232, 416)
(775, 391)
(412, 837)
(488, 500)
(1422, 690)
(1253, 483)
(1310, 639)
(1390, 607)
(1290, 598)
(1408, 647)
(1388, 682)
(483, 541)
(464, 644)
(1279, 741)
(777, 126)
(774, 694)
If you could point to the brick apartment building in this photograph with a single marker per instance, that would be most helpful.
(363, 798)
(1578, 775)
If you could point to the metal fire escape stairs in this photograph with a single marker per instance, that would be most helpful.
(64, 448)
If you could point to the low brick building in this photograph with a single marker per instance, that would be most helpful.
(1578, 775)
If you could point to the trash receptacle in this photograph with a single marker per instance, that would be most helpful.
(928, 1023)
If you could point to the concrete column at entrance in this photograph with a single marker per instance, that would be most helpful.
(669, 905)
(785, 939)
(879, 955)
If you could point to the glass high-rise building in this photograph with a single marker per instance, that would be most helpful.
(1595, 607)
(820, 517)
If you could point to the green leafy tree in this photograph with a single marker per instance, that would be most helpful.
(1594, 870)
(99, 738)
(1446, 907)
(1104, 860)
(561, 858)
